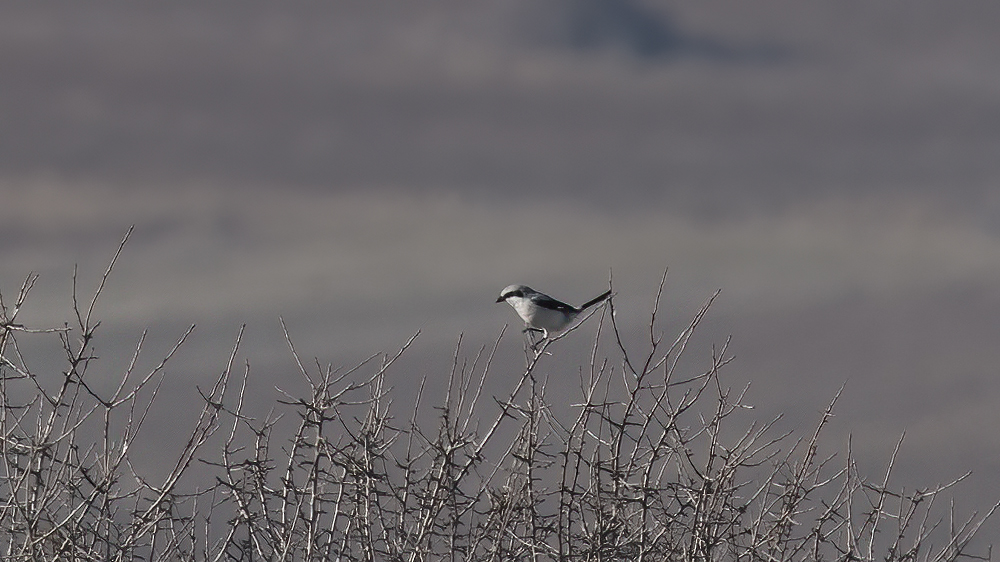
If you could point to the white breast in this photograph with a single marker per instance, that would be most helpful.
(551, 321)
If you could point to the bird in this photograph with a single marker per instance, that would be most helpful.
(542, 313)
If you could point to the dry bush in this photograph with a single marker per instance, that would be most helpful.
(652, 463)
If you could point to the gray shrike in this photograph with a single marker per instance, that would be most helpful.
(541, 312)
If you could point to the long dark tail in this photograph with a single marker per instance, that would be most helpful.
(592, 302)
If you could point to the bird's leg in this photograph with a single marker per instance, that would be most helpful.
(531, 339)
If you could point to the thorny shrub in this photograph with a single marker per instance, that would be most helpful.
(651, 464)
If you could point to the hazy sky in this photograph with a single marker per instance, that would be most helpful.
(366, 171)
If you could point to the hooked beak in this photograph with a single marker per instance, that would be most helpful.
(500, 299)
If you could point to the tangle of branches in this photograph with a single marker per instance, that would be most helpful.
(653, 462)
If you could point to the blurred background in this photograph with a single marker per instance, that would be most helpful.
(366, 170)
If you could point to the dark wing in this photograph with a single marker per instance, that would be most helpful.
(550, 303)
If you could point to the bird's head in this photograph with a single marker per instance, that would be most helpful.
(514, 291)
